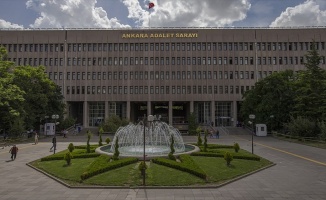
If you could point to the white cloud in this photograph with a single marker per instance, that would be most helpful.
(71, 14)
(5, 24)
(305, 14)
(188, 13)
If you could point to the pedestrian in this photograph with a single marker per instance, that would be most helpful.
(36, 138)
(65, 133)
(217, 134)
(13, 152)
(54, 144)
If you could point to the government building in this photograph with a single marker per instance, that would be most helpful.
(168, 72)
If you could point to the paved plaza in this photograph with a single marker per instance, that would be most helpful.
(299, 173)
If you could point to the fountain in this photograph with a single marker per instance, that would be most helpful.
(157, 141)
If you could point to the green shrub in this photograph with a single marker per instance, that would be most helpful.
(302, 127)
(116, 150)
(205, 141)
(102, 164)
(236, 147)
(71, 147)
(220, 155)
(67, 157)
(75, 156)
(142, 165)
(89, 135)
(171, 156)
(107, 140)
(228, 158)
(199, 140)
(100, 133)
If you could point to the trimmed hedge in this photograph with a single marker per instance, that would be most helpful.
(217, 146)
(61, 157)
(103, 164)
(187, 165)
(94, 146)
(220, 155)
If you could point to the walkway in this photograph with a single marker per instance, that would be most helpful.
(299, 174)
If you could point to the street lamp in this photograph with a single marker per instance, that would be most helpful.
(150, 118)
(55, 117)
(252, 117)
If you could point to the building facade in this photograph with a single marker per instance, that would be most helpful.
(166, 72)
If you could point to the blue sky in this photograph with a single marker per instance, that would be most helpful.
(166, 13)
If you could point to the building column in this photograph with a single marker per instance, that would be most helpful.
(149, 108)
(170, 113)
(191, 106)
(85, 114)
(106, 111)
(128, 110)
(235, 116)
(213, 112)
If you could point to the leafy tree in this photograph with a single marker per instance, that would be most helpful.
(302, 126)
(71, 147)
(113, 123)
(273, 95)
(42, 96)
(310, 98)
(11, 98)
(192, 124)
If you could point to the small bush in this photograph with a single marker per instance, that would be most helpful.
(205, 141)
(100, 133)
(67, 157)
(228, 158)
(236, 147)
(107, 140)
(199, 140)
(171, 156)
(71, 147)
(142, 165)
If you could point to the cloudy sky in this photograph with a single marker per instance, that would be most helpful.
(165, 13)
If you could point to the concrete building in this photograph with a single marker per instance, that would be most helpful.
(166, 72)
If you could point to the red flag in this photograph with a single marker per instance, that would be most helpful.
(151, 5)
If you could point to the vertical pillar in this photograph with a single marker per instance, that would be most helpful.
(85, 114)
(191, 106)
(234, 114)
(106, 111)
(149, 108)
(170, 113)
(213, 112)
(128, 111)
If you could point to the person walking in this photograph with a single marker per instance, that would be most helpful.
(13, 151)
(217, 134)
(54, 144)
(36, 138)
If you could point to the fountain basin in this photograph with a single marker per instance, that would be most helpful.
(150, 151)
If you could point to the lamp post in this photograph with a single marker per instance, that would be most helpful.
(252, 117)
(55, 117)
(150, 118)
(46, 121)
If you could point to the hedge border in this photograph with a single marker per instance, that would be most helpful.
(92, 171)
(208, 154)
(60, 157)
(187, 165)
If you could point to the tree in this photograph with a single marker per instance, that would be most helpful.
(310, 100)
(172, 150)
(205, 141)
(100, 132)
(113, 123)
(199, 140)
(116, 150)
(274, 95)
(11, 98)
(42, 96)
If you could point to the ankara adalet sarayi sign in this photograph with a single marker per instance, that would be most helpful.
(159, 35)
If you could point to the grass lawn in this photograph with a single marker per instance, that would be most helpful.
(156, 175)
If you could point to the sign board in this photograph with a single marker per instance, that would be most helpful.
(252, 116)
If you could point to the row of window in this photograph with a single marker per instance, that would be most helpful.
(183, 46)
(125, 61)
(174, 75)
(157, 89)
